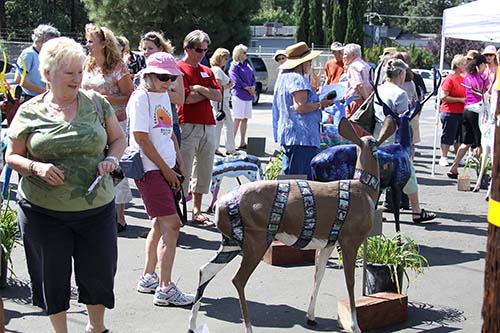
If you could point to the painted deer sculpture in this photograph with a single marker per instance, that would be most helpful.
(298, 213)
(394, 159)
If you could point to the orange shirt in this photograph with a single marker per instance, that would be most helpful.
(333, 70)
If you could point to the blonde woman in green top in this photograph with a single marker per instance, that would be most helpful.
(66, 209)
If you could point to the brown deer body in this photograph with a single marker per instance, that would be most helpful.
(302, 214)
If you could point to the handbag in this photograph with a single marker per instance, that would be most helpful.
(131, 163)
(220, 115)
(364, 117)
(476, 107)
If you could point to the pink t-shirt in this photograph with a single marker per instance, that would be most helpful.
(479, 83)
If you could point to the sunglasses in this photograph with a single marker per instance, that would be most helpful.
(281, 58)
(200, 50)
(166, 77)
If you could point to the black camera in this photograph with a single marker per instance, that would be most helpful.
(220, 115)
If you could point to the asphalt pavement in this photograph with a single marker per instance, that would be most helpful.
(446, 298)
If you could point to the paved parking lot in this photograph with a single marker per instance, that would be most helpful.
(447, 298)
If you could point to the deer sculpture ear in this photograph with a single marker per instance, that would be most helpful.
(346, 130)
(388, 128)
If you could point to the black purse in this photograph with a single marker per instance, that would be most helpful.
(220, 115)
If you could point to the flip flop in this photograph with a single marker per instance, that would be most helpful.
(423, 216)
(202, 220)
(452, 175)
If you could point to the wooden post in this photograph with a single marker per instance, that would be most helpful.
(491, 301)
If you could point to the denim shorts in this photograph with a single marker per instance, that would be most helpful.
(452, 127)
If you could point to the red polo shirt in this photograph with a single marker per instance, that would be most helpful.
(201, 112)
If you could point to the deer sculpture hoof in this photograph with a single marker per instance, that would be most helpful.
(311, 322)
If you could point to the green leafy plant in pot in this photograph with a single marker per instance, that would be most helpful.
(8, 239)
(388, 260)
(274, 167)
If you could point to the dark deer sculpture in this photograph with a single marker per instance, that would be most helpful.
(394, 159)
(302, 214)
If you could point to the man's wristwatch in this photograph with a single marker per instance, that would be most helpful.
(113, 159)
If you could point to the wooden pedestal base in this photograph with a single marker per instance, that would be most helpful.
(280, 254)
(374, 311)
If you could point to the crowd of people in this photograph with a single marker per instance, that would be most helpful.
(81, 109)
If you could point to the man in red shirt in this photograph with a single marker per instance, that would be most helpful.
(196, 119)
(334, 68)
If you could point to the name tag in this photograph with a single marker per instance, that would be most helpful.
(204, 75)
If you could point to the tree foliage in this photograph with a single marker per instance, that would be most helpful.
(339, 21)
(420, 58)
(453, 47)
(176, 18)
(328, 22)
(302, 10)
(68, 16)
(355, 19)
(316, 22)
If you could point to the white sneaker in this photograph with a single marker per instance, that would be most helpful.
(443, 161)
(172, 296)
(148, 284)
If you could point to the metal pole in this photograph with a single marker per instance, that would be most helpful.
(438, 100)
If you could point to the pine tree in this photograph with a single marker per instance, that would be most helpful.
(355, 18)
(328, 22)
(302, 21)
(176, 18)
(316, 22)
(339, 20)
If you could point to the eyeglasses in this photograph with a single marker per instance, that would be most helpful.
(200, 50)
(166, 77)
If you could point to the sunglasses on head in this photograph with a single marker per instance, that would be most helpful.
(200, 50)
(166, 77)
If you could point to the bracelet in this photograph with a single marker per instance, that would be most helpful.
(31, 171)
(113, 159)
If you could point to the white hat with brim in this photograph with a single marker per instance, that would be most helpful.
(278, 53)
(161, 63)
(297, 54)
(490, 49)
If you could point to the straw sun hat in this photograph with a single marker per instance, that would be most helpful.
(298, 54)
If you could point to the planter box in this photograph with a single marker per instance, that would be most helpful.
(463, 183)
(374, 311)
(280, 254)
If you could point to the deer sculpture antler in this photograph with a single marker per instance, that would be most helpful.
(394, 159)
(298, 213)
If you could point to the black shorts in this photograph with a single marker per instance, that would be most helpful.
(452, 127)
(53, 240)
(471, 131)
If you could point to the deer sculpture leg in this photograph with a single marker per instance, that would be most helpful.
(228, 251)
(349, 250)
(322, 256)
(396, 205)
(252, 254)
(486, 154)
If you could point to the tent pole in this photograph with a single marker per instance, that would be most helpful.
(438, 103)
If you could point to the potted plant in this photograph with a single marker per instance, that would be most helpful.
(8, 239)
(474, 162)
(273, 168)
(388, 260)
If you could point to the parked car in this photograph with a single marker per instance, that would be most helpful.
(260, 71)
(428, 78)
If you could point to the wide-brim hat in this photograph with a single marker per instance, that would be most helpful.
(388, 51)
(471, 54)
(490, 49)
(297, 54)
(278, 53)
(161, 63)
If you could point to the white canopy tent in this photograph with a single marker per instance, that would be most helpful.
(478, 20)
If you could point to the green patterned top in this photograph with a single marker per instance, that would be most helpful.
(76, 147)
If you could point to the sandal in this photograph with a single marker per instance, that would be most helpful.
(452, 175)
(242, 147)
(202, 220)
(424, 216)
